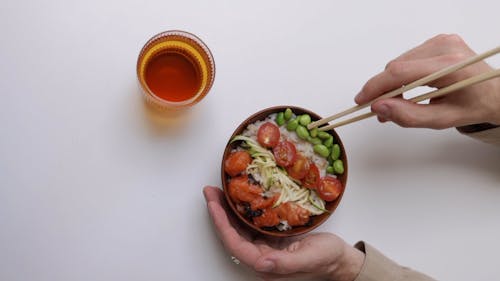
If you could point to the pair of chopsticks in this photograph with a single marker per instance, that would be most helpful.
(420, 82)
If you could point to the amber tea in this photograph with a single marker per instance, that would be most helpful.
(175, 69)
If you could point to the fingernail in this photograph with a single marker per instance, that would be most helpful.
(266, 266)
(383, 111)
(358, 96)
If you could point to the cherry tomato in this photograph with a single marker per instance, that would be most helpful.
(329, 188)
(237, 162)
(293, 214)
(285, 153)
(311, 180)
(269, 217)
(242, 191)
(299, 168)
(268, 135)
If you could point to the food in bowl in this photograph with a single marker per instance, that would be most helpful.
(280, 176)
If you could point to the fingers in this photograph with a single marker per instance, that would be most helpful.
(409, 114)
(239, 247)
(434, 54)
(436, 46)
(213, 193)
(226, 232)
(399, 73)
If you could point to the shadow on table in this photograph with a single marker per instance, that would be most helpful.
(462, 152)
(219, 257)
(166, 122)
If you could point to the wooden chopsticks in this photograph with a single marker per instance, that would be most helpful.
(420, 82)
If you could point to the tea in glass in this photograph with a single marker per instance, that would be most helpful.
(175, 70)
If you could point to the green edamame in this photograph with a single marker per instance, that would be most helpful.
(288, 114)
(292, 124)
(304, 119)
(314, 141)
(323, 135)
(321, 150)
(335, 152)
(328, 142)
(329, 170)
(280, 119)
(302, 132)
(330, 160)
(338, 166)
(314, 132)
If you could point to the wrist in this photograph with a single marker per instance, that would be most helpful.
(494, 116)
(348, 266)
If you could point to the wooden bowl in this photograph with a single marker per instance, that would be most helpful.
(316, 220)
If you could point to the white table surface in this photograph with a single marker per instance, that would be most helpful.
(95, 186)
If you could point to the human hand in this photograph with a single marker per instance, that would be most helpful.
(474, 104)
(320, 255)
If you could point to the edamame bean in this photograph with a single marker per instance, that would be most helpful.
(330, 160)
(335, 152)
(321, 150)
(292, 124)
(314, 132)
(314, 141)
(302, 132)
(329, 169)
(323, 135)
(304, 119)
(288, 114)
(280, 118)
(338, 166)
(328, 142)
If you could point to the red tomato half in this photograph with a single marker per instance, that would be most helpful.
(329, 188)
(268, 135)
(311, 180)
(285, 153)
(299, 168)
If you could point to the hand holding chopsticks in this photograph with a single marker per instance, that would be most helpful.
(420, 82)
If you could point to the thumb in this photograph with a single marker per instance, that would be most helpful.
(281, 262)
(301, 260)
(413, 115)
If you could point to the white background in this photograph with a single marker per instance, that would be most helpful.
(96, 186)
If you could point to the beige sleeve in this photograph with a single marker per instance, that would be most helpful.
(484, 132)
(377, 267)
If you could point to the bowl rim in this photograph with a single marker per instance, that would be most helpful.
(331, 206)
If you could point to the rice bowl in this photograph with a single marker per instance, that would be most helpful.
(277, 192)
